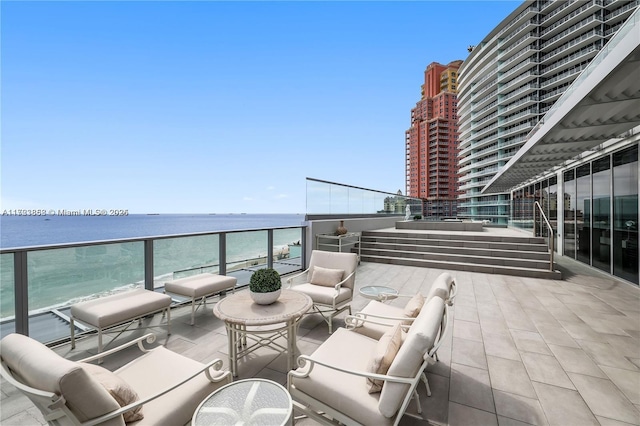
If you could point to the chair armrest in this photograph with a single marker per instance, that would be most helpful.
(290, 279)
(337, 286)
(360, 319)
(452, 293)
(216, 364)
(309, 363)
(150, 338)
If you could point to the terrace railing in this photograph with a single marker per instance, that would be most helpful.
(39, 284)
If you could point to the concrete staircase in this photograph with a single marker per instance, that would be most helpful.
(506, 255)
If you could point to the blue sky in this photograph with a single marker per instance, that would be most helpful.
(215, 107)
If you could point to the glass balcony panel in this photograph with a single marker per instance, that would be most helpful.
(287, 250)
(7, 294)
(246, 251)
(181, 257)
(61, 277)
(318, 197)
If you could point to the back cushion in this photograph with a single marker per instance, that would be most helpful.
(348, 262)
(325, 276)
(410, 357)
(38, 366)
(441, 287)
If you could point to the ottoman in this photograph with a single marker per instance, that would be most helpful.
(118, 309)
(200, 287)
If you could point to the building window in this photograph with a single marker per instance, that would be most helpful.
(625, 214)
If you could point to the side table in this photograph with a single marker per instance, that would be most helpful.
(379, 292)
(257, 402)
(262, 325)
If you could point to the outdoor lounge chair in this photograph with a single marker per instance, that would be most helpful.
(161, 386)
(334, 384)
(329, 281)
(374, 320)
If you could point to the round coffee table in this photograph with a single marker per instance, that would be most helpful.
(379, 292)
(263, 325)
(247, 402)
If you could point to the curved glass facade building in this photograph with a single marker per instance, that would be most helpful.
(513, 77)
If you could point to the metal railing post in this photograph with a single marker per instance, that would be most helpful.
(550, 242)
(269, 248)
(148, 265)
(21, 283)
(222, 253)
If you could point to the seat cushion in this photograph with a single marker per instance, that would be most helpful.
(375, 331)
(325, 276)
(346, 393)
(324, 295)
(119, 308)
(381, 359)
(159, 369)
(117, 388)
(200, 285)
(421, 337)
(39, 367)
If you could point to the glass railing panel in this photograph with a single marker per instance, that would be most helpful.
(318, 197)
(339, 199)
(287, 250)
(61, 277)
(333, 198)
(246, 252)
(7, 295)
(181, 257)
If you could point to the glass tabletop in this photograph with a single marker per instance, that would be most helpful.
(379, 292)
(257, 402)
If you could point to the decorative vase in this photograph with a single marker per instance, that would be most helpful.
(341, 229)
(265, 298)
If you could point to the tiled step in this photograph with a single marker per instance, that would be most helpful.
(455, 237)
(481, 245)
(459, 257)
(458, 266)
(509, 255)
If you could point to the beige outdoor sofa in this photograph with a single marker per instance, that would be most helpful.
(332, 385)
(168, 386)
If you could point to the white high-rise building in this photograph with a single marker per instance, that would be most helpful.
(513, 77)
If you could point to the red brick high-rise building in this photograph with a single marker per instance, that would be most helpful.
(432, 142)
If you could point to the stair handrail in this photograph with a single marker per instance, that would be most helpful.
(535, 231)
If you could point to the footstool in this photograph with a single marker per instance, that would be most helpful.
(117, 309)
(200, 286)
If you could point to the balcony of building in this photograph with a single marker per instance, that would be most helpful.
(520, 350)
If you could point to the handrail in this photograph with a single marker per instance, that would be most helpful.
(535, 231)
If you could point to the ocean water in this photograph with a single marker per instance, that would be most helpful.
(21, 231)
(58, 277)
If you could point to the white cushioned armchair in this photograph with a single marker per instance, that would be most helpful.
(376, 318)
(160, 386)
(332, 385)
(329, 281)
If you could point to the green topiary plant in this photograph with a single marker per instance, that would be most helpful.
(417, 217)
(265, 281)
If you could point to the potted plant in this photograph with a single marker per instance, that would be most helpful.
(265, 285)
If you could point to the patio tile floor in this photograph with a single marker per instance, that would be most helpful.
(522, 350)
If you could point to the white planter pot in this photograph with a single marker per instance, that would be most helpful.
(265, 298)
